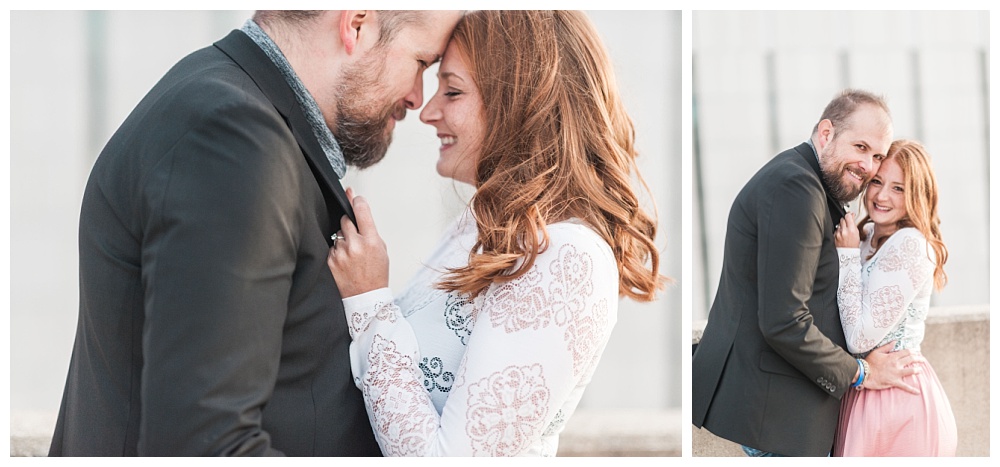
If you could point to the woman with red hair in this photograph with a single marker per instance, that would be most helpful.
(889, 264)
(489, 349)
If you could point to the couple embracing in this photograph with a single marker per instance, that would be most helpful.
(812, 345)
(234, 298)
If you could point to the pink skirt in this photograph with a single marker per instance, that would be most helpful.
(895, 423)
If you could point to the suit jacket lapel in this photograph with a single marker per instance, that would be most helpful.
(836, 209)
(259, 67)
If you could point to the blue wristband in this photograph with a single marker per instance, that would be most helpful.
(861, 376)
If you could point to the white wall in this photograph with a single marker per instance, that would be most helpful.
(75, 76)
(928, 64)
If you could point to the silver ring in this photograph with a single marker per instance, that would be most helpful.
(335, 238)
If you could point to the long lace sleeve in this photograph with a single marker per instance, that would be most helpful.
(873, 297)
(535, 341)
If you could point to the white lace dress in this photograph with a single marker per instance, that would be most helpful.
(885, 298)
(497, 376)
(882, 299)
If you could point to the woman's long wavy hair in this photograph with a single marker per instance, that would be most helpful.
(558, 144)
(920, 193)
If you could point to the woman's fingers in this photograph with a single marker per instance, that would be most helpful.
(363, 214)
(347, 229)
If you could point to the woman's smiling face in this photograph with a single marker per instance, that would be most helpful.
(885, 197)
(456, 112)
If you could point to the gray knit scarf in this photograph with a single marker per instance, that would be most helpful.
(309, 106)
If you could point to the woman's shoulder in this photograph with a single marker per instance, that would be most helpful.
(574, 231)
(908, 242)
(578, 235)
(907, 234)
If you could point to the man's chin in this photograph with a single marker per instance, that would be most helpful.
(850, 185)
(363, 150)
(367, 160)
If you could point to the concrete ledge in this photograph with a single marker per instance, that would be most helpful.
(957, 344)
(589, 433)
(31, 433)
(622, 433)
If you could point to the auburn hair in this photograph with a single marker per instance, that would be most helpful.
(558, 144)
(920, 194)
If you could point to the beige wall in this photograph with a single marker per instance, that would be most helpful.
(762, 79)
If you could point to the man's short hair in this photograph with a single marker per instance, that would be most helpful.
(840, 109)
(285, 16)
(389, 21)
(392, 21)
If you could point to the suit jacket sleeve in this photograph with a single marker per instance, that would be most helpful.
(219, 251)
(790, 242)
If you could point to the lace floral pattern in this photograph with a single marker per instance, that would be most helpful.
(572, 283)
(885, 298)
(520, 304)
(394, 397)
(886, 306)
(506, 409)
(849, 292)
(583, 335)
(504, 387)
(458, 316)
(359, 321)
(435, 378)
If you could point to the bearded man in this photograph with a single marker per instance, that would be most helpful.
(209, 323)
(771, 367)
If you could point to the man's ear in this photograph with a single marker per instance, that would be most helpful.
(351, 23)
(824, 133)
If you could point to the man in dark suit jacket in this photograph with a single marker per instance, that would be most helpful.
(771, 367)
(209, 322)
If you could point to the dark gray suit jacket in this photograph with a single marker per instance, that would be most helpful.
(209, 323)
(771, 367)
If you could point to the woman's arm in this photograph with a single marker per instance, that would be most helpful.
(535, 340)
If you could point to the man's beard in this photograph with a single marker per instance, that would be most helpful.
(361, 128)
(833, 174)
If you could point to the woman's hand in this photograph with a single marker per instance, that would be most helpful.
(358, 259)
(846, 234)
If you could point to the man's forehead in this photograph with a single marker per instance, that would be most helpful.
(437, 22)
(871, 120)
(429, 36)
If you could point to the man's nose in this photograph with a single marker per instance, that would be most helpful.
(868, 163)
(415, 98)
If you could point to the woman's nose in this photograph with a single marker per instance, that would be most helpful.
(430, 113)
